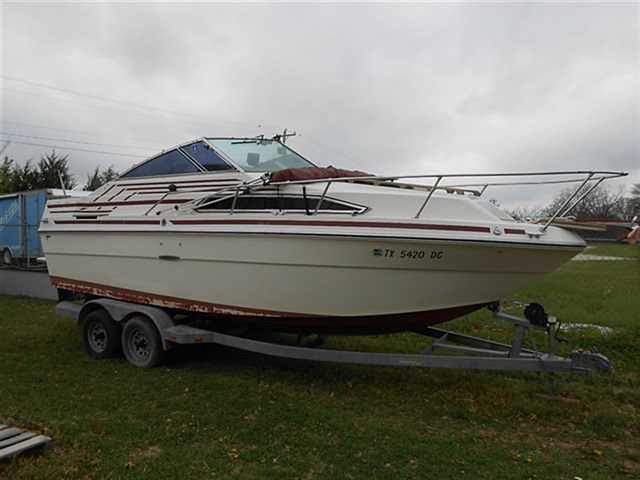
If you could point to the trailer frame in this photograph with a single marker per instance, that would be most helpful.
(463, 351)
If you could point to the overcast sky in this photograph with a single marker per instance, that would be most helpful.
(388, 89)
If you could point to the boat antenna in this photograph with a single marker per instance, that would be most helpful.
(282, 137)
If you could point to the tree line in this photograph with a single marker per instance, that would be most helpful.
(602, 203)
(51, 171)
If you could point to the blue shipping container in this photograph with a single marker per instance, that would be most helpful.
(19, 220)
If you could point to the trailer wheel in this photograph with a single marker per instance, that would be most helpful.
(141, 343)
(101, 335)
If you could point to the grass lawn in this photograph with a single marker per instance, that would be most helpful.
(218, 413)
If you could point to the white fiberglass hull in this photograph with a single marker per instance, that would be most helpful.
(303, 281)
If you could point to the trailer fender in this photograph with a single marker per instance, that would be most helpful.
(122, 311)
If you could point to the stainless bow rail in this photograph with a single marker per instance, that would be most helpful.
(595, 176)
(588, 181)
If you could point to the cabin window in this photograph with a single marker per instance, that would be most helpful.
(206, 156)
(291, 203)
(170, 163)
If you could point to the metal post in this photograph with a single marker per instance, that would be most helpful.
(24, 219)
(583, 196)
(247, 186)
(433, 189)
(233, 204)
(64, 187)
(157, 203)
(567, 202)
(324, 193)
(38, 246)
(552, 333)
(306, 200)
(516, 347)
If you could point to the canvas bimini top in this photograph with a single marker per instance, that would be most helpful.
(221, 154)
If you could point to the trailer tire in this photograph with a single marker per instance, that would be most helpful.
(101, 335)
(7, 258)
(141, 343)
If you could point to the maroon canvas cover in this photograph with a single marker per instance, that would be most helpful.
(314, 173)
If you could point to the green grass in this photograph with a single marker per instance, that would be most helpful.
(218, 413)
(614, 249)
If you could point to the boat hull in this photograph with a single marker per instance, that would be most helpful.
(308, 283)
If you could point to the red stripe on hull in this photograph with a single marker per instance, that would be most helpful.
(180, 182)
(87, 212)
(107, 222)
(276, 320)
(321, 223)
(200, 185)
(337, 223)
(160, 192)
(121, 203)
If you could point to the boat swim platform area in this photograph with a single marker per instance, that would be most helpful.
(27, 284)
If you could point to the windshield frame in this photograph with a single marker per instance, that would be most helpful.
(249, 139)
(201, 169)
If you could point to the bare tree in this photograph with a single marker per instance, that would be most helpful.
(525, 214)
(601, 203)
(634, 201)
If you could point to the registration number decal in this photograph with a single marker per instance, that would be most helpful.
(409, 254)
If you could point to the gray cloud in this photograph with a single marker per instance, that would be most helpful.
(389, 89)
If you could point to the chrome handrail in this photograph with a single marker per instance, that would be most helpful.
(568, 201)
(433, 189)
(597, 176)
(610, 174)
(236, 189)
(591, 175)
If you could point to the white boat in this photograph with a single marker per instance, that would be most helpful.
(247, 229)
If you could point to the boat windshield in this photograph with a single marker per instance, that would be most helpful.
(259, 155)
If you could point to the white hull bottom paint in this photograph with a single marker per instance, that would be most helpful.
(293, 281)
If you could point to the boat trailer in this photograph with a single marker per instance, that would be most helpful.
(144, 333)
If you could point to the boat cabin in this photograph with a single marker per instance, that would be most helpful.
(221, 155)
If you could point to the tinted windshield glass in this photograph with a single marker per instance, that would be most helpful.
(168, 163)
(205, 155)
(259, 155)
